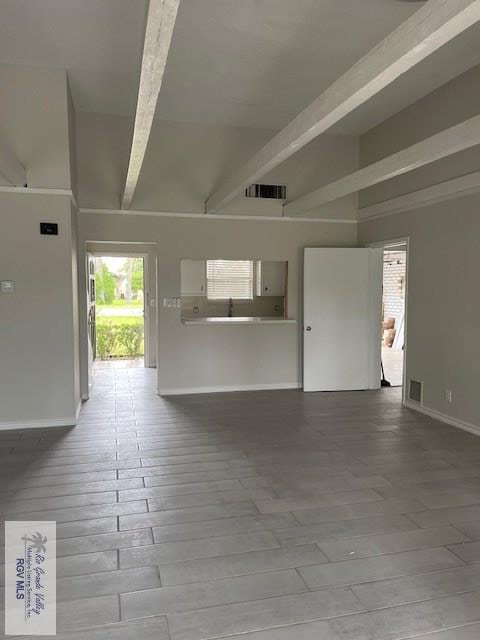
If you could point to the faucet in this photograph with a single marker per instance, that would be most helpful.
(230, 308)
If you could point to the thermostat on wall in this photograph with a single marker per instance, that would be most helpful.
(7, 286)
(49, 229)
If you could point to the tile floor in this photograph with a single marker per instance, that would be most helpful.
(255, 516)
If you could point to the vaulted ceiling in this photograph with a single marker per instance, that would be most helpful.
(253, 63)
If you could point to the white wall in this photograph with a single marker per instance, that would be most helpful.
(39, 346)
(186, 162)
(39, 341)
(34, 120)
(456, 101)
(443, 303)
(196, 358)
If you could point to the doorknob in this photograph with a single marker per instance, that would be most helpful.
(308, 328)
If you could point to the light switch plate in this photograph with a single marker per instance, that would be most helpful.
(172, 303)
(7, 286)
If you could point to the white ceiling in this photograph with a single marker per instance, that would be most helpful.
(253, 63)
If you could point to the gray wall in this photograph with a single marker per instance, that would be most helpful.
(202, 357)
(456, 101)
(39, 346)
(443, 303)
(39, 324)
(185, 163)
(443, 306)
(34, 119)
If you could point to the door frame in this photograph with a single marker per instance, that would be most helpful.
(146, 289)
(391, 244)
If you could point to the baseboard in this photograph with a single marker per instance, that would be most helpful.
(442, 417)
(38, 424)
(246, 387)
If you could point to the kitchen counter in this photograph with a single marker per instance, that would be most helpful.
(238, 320)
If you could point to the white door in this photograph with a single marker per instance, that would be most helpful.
(342, 319)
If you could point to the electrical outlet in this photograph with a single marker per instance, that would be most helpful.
(449, 396)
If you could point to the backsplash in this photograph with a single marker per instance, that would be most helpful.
(259, 307)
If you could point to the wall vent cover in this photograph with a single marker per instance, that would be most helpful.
(270, 191)
(415, 391)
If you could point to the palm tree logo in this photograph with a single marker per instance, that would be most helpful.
(37, 541)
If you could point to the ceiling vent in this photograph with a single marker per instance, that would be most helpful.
(270, 191)
(415, 391)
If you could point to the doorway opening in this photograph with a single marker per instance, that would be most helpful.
(395, 260)
(116, 314)
(119, 285)
(119, 324)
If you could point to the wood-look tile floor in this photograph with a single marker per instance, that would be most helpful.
(257, 516)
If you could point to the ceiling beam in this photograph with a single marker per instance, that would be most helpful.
(440, 192)
(10, 167)
(428, 29)
(458, 138)
(158, 36)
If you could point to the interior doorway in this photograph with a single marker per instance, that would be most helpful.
(394, 296)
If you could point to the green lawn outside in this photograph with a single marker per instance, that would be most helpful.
(119, 320)
(134, 304)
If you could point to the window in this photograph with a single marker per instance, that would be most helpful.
(230, 279)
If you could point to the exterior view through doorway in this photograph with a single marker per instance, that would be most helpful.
(394, 310)
(120, 308)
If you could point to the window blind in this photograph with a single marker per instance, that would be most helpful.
(230, 279)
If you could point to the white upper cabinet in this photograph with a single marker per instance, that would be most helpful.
(271, 281)
(193, 278)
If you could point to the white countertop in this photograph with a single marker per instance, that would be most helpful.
(239, 320)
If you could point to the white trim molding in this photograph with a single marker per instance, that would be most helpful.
(229, 389)
(38, 191)
(77, 412)
(448, 190)
(219, 216)
(43, 423)
(443, 417)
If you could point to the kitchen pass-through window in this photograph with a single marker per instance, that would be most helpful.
(230, 279)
